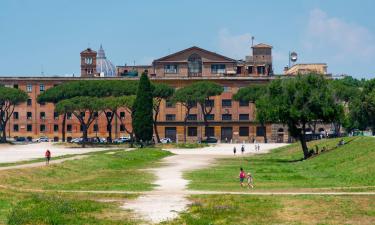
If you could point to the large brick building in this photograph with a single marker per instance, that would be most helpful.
(230, 120)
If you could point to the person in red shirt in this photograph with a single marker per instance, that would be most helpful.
(242, 176)
(48, 156)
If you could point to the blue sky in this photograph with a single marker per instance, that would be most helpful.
(51, 34)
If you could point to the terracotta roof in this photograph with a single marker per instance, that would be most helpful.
(194, 48)
(262, 45)
(88, 50)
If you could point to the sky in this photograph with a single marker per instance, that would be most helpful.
(44, 36)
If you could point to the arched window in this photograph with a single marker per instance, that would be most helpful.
(195, 65)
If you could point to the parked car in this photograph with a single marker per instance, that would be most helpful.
(165, 140)
(21, 139)
(76, 140)
(42, 139)
(121, 140)
(210, 140)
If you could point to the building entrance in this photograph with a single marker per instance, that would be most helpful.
(171, 132)
(226, 134)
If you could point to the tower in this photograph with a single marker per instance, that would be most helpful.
(88, 63)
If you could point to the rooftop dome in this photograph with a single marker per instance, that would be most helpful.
(103, 66)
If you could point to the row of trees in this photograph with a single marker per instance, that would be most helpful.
(303, 101)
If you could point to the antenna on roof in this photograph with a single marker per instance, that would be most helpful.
(42, 70)
(252, 41)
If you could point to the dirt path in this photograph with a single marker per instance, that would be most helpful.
(39, 164)
(169, 197)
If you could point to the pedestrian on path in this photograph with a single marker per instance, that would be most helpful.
(234, 150)
(242, 176)
(48, 156)
(250, 180)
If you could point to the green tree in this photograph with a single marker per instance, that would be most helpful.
(143, 106)
(186, 97)
(204, 91)
(9, 99)
(161, 92)
(297, 102)
(93, 88)
(84, 108)
(255, 94)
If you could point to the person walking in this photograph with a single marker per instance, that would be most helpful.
(242, 149)
(242, 176)
(250, 181)
(234, 150)
(48, 156)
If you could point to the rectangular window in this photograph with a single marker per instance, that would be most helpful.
(170, 69)
(192, 117)
(226, 103)
(226, 117)
(69, 116)
(244, 103)
(169, 104)
(69, 128)
(96, 114)
(42, 104)
(83, 114)
(218, 68)
(29, 102)
(260, 131)
(42, 115)
(250, 70)
(109, 127)
(122, 115)
(56, 128)
(15, 86)
(122, 127)
(15, 127)
(96, 128)
(42, 87)
(244, 131)
(29, 115)
(192, 104)
(226, 89)
(210, 103)
(192, 131)
(209, 132)
(42, 128)
(210, 116)
(15, 115)
(55, 115)
(29, 128)
(170, 117)
(261, 70)
(244, 117)
(29, 88)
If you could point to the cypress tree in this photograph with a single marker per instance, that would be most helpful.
(143, 106)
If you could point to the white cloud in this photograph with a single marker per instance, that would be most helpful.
(338, 38)
(235, 46)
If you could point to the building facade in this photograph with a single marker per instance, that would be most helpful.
(229, 121)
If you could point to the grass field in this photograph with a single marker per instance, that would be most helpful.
(244, 210)
(119, 170)
(17, 208)
(347, 166)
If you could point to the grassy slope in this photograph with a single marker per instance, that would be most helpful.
(243, 210)
(349, 165)
(118, 171)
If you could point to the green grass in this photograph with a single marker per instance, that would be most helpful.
(102, 171)
(243, 210)
(18, 208)
(347, 166)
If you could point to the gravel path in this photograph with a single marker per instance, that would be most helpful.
(169, 197)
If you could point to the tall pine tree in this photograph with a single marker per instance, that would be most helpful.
(142, 119)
